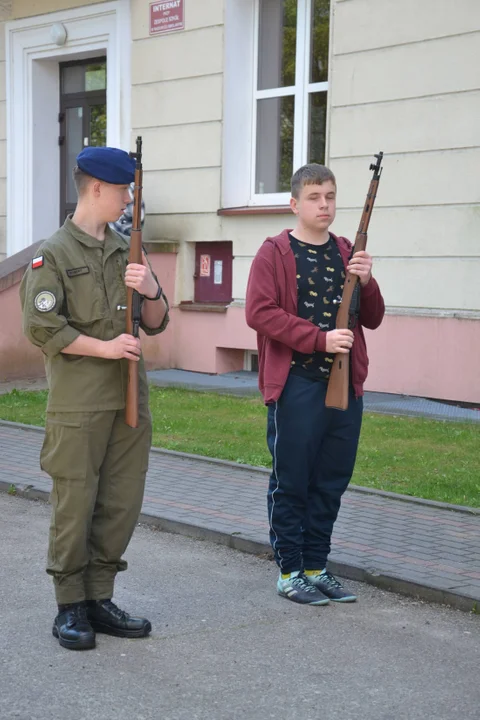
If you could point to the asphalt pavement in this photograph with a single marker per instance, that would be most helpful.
(224, 645)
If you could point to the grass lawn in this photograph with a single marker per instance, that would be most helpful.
(425, 458)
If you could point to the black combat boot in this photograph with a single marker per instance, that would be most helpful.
(106, 617)
(72, 629)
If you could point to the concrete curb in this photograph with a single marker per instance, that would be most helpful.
(265, 471)
(349, 571)
(22, 426)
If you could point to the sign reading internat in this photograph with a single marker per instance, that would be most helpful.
(167, 16)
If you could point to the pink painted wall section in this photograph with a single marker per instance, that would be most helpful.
(207, 342)
(198, 335)
(412, 356)
(427, 357)
(158, 349)
(18, 357)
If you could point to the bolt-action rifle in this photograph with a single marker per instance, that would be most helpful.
(134, 305)
(347, 316)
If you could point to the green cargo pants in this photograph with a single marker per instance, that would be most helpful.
(98, 467)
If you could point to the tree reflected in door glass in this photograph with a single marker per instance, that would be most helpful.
(98, 125)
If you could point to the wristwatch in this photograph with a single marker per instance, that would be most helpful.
(157, 296)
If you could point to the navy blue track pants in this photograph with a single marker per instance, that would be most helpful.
(313, 456)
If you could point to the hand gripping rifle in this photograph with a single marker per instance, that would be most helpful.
(134, 305)
(347, 316)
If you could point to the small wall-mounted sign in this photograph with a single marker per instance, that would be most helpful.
(204, 265)
(167, 16)
(218, 272)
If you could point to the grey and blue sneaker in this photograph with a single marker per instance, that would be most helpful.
(331, 587)
(298, 589)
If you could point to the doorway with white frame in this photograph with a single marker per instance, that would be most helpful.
(37, 47)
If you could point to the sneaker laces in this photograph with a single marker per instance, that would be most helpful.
(302, 583)
(330, 580)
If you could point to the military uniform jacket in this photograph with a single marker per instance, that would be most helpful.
(76, 287)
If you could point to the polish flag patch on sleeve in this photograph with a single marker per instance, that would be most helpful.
(37, 262)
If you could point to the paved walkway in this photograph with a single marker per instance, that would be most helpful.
(419, 548)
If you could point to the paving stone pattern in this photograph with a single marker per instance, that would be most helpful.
(406, 546)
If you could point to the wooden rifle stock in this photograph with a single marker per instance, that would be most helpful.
(133, 298)
(347, 316)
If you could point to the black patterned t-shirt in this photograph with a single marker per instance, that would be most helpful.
(320, 280)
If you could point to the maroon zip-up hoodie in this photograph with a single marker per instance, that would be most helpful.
(271, 310)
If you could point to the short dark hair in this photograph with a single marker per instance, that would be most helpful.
(81, 180)
(312, 174)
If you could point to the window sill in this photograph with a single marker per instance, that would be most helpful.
(203, 307)
(256, 210)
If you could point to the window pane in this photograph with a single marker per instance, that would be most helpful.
(319, 41)
(96, 77)
(98, 125)
(316, 127)
(277, 39)
(274, 145)
(84, 78)
(72, 79)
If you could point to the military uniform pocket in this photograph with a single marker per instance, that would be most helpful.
(64, 453)
(85, 298)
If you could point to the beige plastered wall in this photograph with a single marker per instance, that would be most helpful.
(404, 79)
(177, 107)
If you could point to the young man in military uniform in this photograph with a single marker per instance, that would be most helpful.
(74, 301)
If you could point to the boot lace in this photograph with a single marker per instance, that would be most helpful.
(77, 614)
(115, 610)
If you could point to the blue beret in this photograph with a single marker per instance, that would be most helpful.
(108, 164)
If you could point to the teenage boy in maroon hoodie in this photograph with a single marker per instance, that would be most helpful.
(294, 289)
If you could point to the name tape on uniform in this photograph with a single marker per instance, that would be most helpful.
(73, 272)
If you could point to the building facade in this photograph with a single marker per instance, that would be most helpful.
(230, 96)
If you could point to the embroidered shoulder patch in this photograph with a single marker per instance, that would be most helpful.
(37, 262)
(73, 272)
(45, 301)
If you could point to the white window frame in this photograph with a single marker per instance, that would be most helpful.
(301, 92)
(33, 154)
